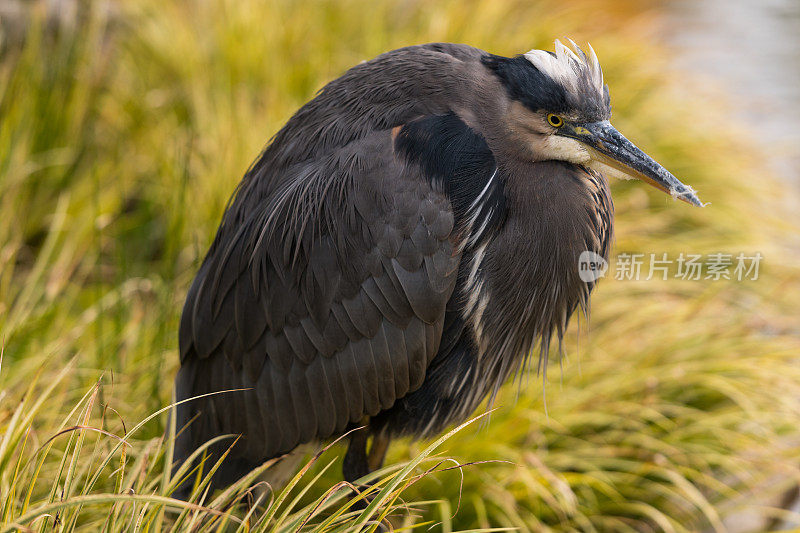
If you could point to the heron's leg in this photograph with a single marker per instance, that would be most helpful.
(377, 453)
(355, 464)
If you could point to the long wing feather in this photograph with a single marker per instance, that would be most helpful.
(326, 289)
(325, 335)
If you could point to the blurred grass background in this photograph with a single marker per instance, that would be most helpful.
(126, 125)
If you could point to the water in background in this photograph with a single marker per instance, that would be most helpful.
(752, 49)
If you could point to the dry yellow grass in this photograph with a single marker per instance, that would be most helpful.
(120, 142)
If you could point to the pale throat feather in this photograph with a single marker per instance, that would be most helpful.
(558, 148)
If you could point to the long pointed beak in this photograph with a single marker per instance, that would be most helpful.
(609, 147)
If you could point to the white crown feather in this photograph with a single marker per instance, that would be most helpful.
(572, 68)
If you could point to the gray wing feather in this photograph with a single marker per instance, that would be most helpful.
(323, 322)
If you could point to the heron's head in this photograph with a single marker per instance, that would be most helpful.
(560, 110)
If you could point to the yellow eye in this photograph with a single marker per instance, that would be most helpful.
(554, 120)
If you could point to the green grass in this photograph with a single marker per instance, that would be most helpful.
(122, 136)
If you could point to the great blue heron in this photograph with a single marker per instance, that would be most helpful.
(398, 250)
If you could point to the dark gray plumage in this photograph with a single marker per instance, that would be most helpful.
(398, 250)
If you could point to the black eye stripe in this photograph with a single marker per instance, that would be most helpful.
(525, 83)
(538, 91)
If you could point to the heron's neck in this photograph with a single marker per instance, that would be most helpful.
(529, 279)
